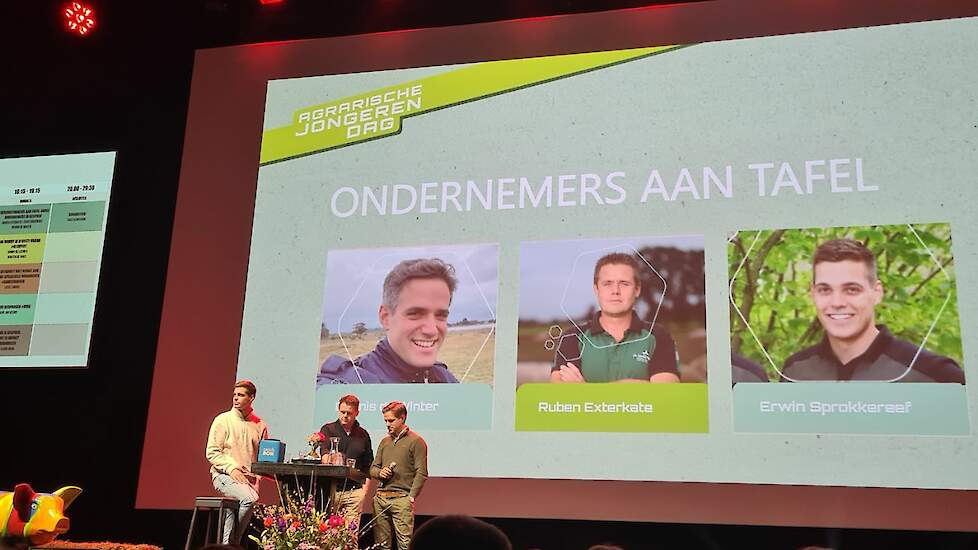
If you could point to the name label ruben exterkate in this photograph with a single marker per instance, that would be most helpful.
(557, 407)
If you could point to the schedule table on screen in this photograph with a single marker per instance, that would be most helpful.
(51, 237)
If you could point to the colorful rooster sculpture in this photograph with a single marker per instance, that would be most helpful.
(36, 518)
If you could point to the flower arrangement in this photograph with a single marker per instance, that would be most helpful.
(314, 440)
(296, 524)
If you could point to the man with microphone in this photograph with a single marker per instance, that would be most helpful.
(401, 466)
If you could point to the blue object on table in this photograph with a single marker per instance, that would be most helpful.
(271, 450)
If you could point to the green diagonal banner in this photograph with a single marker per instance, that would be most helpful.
(378, 113)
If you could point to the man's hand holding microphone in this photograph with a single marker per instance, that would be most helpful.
(387, 472)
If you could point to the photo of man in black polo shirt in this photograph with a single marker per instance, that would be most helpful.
(616, 345)
(845, 291)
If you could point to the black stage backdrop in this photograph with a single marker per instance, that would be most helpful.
(126, 89)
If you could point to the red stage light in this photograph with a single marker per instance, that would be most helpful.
(266, 2)
(79, 18)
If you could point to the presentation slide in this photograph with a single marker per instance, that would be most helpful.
(891, 287)
(52, 229)
(731, 262)
(445, 357)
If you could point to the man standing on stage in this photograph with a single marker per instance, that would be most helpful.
(401, 465)
(232, 446)
(354, 443)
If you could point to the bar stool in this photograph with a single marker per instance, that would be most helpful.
(210, 505)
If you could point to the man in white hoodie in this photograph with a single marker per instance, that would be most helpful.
(232, 446)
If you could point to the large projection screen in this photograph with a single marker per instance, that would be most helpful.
(701, 151)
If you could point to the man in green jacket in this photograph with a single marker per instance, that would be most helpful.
(401, 466)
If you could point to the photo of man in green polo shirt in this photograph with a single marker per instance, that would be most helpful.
(616, 345)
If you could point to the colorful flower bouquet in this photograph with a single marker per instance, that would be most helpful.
(314, 441)
(296, 524)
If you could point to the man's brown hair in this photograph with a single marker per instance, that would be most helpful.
(350, 400)
(841, 250)
(248, 386)
(398, 408)
(420, 268)
(617, 258)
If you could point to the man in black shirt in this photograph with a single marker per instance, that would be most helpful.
(846, 291)
(354, 443)
(745, 370)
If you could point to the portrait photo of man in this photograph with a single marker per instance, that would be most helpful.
(862, 303)
(409, 315)
(628, 309)
(845, 293)
(414, 316)
(615, 345)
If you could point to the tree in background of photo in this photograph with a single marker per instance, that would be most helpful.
(683, 271)
(772, 288)
(684, 301)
